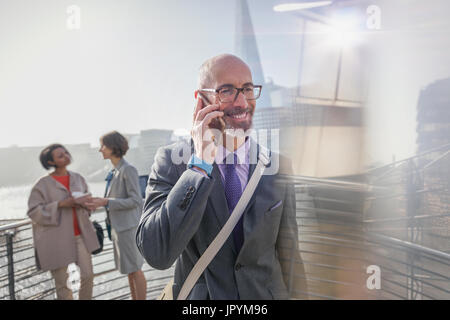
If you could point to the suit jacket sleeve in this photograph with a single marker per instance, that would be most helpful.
(41, 210)
(134, 200)
(85, 190)
(288, 249)
(173, 209)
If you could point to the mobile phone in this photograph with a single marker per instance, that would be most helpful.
(78, 194)
(216, 123)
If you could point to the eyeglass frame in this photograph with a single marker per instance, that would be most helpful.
(237, 92)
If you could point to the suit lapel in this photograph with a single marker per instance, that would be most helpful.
(253, 159)
(218, 200)
(113, 180)
(73, 183)
(116, 175)
(217, 196)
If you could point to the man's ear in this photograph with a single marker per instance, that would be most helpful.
(195, 94)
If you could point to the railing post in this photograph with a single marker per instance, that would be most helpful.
(9, 252)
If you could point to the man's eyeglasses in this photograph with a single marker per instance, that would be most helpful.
(230, 93)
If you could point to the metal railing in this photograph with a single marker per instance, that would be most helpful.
(19, 278)
(395, 218)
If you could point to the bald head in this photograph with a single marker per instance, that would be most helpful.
(225, 74)
(212, 68)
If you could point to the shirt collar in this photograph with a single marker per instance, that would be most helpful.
(120, 164)
(242, 153)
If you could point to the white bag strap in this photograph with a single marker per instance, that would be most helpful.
(224, 233)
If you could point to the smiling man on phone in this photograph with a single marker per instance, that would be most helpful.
(187, 204)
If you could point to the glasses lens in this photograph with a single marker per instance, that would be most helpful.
(227, 94)
(252, 93)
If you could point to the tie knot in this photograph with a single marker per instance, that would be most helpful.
(231, 160)
(110, 175)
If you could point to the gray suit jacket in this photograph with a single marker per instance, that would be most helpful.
(184, 211)
(125, 200)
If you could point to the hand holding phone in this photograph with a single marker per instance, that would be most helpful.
(216, 123)
(205, 144)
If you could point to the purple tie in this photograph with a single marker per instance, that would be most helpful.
(233, 192)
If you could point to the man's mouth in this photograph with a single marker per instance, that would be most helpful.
(237, 113)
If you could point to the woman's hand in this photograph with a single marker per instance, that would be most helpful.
(68, 203)
(95, 203)
(83, 200)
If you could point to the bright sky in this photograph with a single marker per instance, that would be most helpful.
(133, 66)
(411, 52)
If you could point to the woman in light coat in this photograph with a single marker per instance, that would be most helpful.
(123, 202)
(62, 231)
